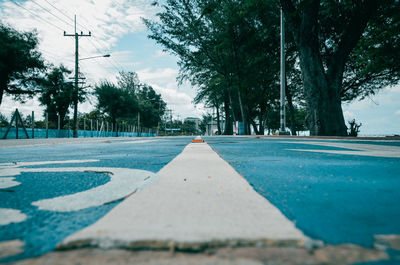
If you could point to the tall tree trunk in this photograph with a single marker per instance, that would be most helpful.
(261, 118)
(1, 94)
(62, 119)
(325, 115)
(289, 99)
(228, 119)
(218, 120)
(239, 86)
(242, 112)
(322, 88)
(324, 109)
(232, 110)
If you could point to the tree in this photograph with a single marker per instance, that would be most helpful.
(229, 49)
(57, 94)
(343, 47)
(20, 63)
(151, 106)
(115, 102)
(298, 120)
(205, 119)
(189, 128)
(3, 120)
(129, 81)
(354, 128)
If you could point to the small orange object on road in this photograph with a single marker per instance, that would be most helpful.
(198, 140)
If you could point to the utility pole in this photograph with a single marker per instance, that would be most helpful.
(76, 90)
(282, 129)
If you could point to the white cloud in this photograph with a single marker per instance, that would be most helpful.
(149, 75)
(378, 114)
(160, 53)
(394, 89)
(348, 115)
(108, 21)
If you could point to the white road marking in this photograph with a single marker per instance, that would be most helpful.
(358, 149)
(40, 163)
(139, 141)
(123, 182)
(8, 183)
(11, 248)
(199, 199)
(8, 216)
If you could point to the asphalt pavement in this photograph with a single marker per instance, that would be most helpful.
(40, 172)
(336, 191)
(164, 193)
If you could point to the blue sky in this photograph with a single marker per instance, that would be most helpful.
(117, 29)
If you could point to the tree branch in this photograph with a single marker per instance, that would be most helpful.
(363, 12)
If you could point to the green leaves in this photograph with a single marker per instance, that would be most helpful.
(20, 62)
(129, 99)
(57, 94)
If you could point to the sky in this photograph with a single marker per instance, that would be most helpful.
(117, 29)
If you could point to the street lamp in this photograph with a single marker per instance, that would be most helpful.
(75, 122)
(98, 56)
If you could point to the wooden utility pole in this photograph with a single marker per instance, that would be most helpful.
(76, 90)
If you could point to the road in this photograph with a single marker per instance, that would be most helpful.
(312, 191)
(41, 230)
(336, 191)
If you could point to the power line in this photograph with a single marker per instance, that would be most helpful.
(36, 16)
(61, 12)
(115, 64)
(45, 9)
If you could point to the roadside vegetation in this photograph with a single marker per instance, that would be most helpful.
(336, 51)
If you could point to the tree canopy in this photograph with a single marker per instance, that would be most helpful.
(130, 100)
(57, 94)
(229, 49)
(20, 63)
(346, 51)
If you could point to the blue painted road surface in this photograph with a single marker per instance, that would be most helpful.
(48, 192)
(335, 191)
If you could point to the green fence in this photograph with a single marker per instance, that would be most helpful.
(54, 133)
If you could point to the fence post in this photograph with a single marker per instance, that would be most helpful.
(16, 124)
(47, 125)
(84, 127)
(33, 124)
(59, 125)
